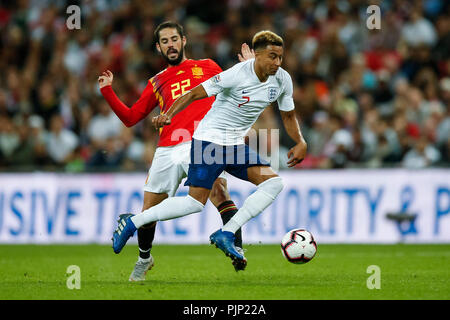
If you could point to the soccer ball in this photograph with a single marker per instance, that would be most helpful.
(298, 246)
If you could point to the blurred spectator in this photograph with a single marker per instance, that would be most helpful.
(23, 153)
(38, 136)
(319, 134)
(418, 30)
(104, 125)
(109, 156)
(46, 100)
(61, 142)
(421, 155)
(339, 145)
(9, 138)
(134, 149)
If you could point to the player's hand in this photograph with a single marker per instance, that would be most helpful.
(160, 121)
(246, 53)
(297, 154)
(105, 79)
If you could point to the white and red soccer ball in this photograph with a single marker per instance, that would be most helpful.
(298, 246)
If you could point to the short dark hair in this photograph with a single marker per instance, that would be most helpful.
(171, 25)
(265, 38)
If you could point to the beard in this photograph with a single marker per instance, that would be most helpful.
(175, 61)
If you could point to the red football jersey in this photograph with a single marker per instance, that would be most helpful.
(162, 90)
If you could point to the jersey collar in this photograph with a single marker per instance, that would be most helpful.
(254, 73)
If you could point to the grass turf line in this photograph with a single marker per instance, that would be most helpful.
(202, 272)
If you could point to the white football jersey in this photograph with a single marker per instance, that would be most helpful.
(240, 99)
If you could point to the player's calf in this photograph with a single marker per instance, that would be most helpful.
(259, 200)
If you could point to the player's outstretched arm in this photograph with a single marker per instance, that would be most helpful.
(138, 111)
(297, 153)
(182, 102)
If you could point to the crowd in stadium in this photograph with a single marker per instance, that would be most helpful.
(365, 98)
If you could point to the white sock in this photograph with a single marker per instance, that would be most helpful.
(144, 260)
(255, 204)
(170, 208)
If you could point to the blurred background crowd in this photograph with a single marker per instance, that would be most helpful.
(365, 98)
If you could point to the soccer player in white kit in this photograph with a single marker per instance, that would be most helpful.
(242, 93)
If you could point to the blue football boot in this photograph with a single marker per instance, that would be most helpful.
(125, 230)
(224, 240)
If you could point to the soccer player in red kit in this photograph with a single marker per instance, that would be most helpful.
(172, 157)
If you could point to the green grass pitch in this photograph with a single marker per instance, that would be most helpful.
(202, 272)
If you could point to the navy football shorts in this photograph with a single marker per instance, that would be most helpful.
(208, 160)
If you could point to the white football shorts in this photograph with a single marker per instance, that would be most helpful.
(169, 167)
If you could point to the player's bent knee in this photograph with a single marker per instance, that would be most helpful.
(272, 186)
